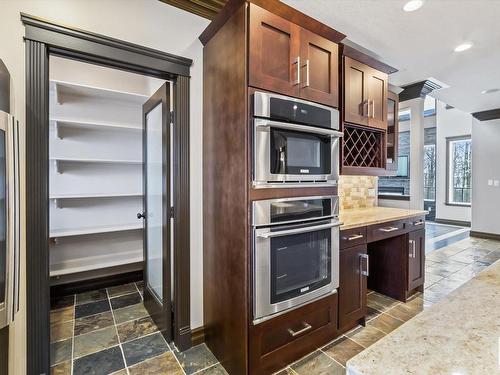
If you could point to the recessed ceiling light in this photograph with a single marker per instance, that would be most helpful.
(413, 5)
(463, 47)
(489, 91)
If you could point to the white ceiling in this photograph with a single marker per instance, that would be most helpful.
(421, 43)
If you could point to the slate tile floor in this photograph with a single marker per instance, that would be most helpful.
(109, 331)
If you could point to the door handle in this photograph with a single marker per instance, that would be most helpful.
(355, 237)
(366, 271)
(416, 223)
(141, 215)
(297, 81)
(306, 84)
(387, 230)
(373, 108)
(413, 250)
(299, 230)
(306, 328)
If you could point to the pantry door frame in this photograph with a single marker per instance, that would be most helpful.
(42, 39)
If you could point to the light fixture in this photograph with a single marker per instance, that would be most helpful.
(463, 47)
(489, 91)
(413, 5)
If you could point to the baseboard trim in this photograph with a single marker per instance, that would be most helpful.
(453, 222)
(93, 284)
(488, 236)
(198, 336)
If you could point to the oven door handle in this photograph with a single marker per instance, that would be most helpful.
(298, 230)
(304, 128)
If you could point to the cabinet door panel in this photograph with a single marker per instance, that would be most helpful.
(377, 96)
(352, 285)
(355, 92)
(392, 132)
(319, 67)
(273, 51)
(416, 259)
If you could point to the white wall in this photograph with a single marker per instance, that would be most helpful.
(450, 123)
(485, 166)
(149, 23)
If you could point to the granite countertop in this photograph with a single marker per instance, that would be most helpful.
(359, 217)
(458, 335)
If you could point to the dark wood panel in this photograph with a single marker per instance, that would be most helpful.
(355, 108)
(352, 237)
(352, 285)
(385, 230)
(392, 133)
(274, 47)
(272, 345)
(367, 59)
(319, 65)
(225, 216)
(377, 97)
(198, 336)
(204, 8)
(258, 194)
(278, 8)
(416, 259)
(4, 351)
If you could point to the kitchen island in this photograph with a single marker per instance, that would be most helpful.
(459, 335)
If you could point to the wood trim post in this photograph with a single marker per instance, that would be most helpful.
(37, 208)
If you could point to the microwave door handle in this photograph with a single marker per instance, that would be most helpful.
(304, 128)
(298, 230)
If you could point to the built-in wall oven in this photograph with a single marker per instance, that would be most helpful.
(296, 142)
(295, 252)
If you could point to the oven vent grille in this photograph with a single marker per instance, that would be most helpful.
(362, 147)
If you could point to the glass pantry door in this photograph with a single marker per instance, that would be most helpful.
(156, 215)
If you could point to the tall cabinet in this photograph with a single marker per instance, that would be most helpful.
(269, 46)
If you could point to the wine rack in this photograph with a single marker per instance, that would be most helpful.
(363, 147)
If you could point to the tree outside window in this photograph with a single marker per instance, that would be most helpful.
(430, 172)
(459, 170)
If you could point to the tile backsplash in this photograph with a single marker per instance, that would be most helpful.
(357, 191)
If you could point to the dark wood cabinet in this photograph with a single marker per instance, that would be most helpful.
(392, 134)
(353, 266)
(276, 343)
(416, 259)
(291, 60)
(365, 95)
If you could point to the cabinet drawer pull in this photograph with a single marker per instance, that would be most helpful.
(421, 222)
(306, 328)
(390, 229)
(355, 237)
(366, 272)
(297, 81)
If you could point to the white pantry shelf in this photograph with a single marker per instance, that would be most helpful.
(61, 124)
(58, 233)
(60, 162)
(59, 198)
(65, 91)
(90, 265)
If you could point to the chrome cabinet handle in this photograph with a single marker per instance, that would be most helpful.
(306, 328)
(373, 108)
(306, 84)
(298, 230)
(366, 272)
(367, 106)
(285, 125)
(355, 237)
(413, 249)
(297, 61)
(390, 229)
(416, 223)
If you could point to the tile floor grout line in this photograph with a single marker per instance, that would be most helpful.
(138, 291)
(73, 335)
(329, 356)
(173, 353)
(117, 335)
(205, 368)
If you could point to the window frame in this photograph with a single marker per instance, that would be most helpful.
(449, 141)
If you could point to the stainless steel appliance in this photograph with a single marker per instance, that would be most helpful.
(296, 143)
(295, 252)
(9, 206)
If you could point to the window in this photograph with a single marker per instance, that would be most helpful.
(430, 172)
(459, 166)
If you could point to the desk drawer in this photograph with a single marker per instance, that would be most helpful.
(352, 237)
(389, 229)
(415, 223)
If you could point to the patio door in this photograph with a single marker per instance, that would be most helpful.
(157, 203)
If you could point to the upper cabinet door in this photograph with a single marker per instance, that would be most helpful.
(319, 69)
(355, 92)
(274, 48)
(377, 99)
(392, 132)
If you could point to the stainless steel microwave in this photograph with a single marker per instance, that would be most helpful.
(296, 143)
